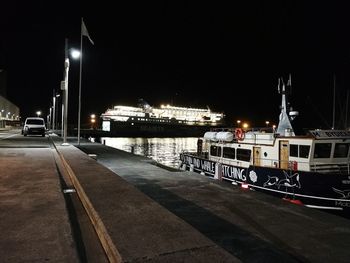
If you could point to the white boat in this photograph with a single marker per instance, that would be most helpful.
(166, 120)
(311, 169)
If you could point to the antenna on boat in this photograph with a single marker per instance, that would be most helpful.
(284, 126)
(289, 83)
(333, 121)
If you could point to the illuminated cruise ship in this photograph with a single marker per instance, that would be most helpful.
(167, 120)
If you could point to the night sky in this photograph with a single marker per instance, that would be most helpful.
(227, 56)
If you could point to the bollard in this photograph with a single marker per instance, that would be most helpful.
(218, 171)
(93, 156)
(104, 142)
(183, 167)
(191, 167)
(132, 148)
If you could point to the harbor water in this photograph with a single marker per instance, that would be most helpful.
(163, 150)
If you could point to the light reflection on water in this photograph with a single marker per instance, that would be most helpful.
(163, 150)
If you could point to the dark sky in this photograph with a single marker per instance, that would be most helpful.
(224, 55)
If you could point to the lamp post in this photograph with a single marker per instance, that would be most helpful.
(49, 119)
(38, 113)
(54, 111)
(64, 87)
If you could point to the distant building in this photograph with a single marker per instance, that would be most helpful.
(9, 112)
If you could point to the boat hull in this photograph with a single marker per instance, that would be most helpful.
(137, 129)
(312, 189)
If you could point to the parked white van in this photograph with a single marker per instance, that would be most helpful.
(34, 125)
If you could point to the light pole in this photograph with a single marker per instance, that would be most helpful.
(64, 87)
(83, 32)
(54, 111)
(38, 113)
(65, 94)
(49, 119)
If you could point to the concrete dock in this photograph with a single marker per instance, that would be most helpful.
(142, 212)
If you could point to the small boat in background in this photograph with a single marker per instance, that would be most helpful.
(312, 169)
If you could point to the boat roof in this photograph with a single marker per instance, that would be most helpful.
(330, 134)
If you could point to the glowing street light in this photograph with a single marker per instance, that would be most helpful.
(75, 53)
(267, 123)
(64, 87)
(38, 113)
(92, 120)
(238, 123)
(54, 111)
(245, 125)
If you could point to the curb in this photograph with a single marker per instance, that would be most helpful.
(111, 251)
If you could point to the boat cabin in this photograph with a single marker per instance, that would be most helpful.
(321, 151)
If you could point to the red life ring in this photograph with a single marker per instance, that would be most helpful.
(239, 134)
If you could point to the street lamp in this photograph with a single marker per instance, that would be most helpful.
(54, 111)
(238, 123)
(38, 113)
(267, 123)
(64, 87)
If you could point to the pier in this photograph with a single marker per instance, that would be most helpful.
(94, 203)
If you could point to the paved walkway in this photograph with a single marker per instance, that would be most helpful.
(251, 226)
(144, 213)
(33, 218)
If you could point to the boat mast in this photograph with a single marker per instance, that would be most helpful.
(333, 123)
(284, 126)
(346, 110)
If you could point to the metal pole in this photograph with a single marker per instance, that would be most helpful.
(81, 59)
(62, 114)
(346, 110)
(50, 119)
(54, 112)
(333, 123)
(65, 119)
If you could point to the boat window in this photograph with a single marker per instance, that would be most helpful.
(301, 151)
(215, 151)
(304, 151)
(322, 150)
(243, 155)
(229, 152)
(293, 150)
(341, 150)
